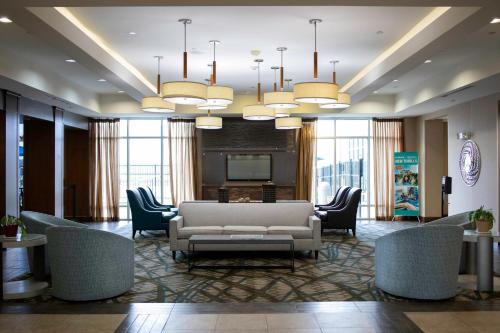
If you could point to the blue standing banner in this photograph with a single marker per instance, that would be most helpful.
(406, 191)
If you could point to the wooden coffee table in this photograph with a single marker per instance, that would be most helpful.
(239, 240)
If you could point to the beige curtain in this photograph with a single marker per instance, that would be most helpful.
(183, 160)
(104, 169)
(388, 138)
(306, 143)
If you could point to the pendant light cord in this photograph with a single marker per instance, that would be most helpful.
(214, 63)
(158, 81)
(315, 22)
(185, 21)
(258, 61)
(281, 49)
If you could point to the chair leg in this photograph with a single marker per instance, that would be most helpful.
(167, 231)
(316, 254)
(140, 232)
(354, 232)
(173, 254)
(133, 233)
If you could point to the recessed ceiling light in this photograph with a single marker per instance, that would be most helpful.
(101, 80)
(132, 33)
(495, 20)
(428, 61)
(5, 19)
(121, 91)
(70, 60)
(375, 92)
(396, 80)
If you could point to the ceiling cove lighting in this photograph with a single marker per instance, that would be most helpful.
(156, 103)
(343, 98)
(218, 97)
(208, 122)
(258, 111)
(5, 19)
(184, 92)
(288, 123)
(280, 99)
(315, 91)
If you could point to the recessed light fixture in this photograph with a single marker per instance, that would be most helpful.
(375, 92)
(428, 61)
(101, 80)
(5, 19)
(495, 20)
(132, 33)
(121, 91)
(70, 60)
(396, 80)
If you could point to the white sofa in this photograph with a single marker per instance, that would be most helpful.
(212, 218)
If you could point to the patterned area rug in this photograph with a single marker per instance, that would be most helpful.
(343, 272)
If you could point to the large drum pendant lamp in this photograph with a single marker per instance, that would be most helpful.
(288, 123)
(315, 91)
(184, 92)
(218, 97)
(280, 100)
(343, 99)
(258, 111)
(156, 103)
(208, 122)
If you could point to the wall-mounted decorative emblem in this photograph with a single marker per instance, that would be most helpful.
(470, 163)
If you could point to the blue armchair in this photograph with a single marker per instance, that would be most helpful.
(419, 263)
(89, 264)
(145, 219)
(148, 200)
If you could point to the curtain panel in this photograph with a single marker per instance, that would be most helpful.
(183, 161)
(388, 138)
(104, 169)
(306, 159)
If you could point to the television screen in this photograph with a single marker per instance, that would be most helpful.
(248, 167)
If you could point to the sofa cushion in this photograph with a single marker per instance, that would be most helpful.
(295, 231)
(187, 232)
(244, 229)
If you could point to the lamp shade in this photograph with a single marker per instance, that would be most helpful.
(280, 113)
(288, 123)
(184, 92)
(208, 122)
(280, 100)
(343, 101)
(156, 104)
(315, 92)
(218, 97)
(257, 112)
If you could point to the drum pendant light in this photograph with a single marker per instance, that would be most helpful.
(218, 97)
(280, 100)
(184, 92)
(343, 100)
(208, 122)
(288, 123)
(315, 91)
(258, 111)
(156, 103)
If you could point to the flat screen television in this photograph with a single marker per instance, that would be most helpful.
(257, 167)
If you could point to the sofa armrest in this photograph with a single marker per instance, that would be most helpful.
(175, 224)
(315, 225)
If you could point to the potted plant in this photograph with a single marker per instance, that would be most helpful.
(9, 226)
(483, 218)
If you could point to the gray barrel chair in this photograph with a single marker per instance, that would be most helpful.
(419, 263)
(89, 264)
(37, 223)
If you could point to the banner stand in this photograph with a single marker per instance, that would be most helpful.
(406, 189)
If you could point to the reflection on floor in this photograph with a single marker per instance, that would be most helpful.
(327, 317)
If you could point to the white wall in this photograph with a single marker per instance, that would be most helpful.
(481, 118)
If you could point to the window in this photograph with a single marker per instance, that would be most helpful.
(344, 153)
(143, 159)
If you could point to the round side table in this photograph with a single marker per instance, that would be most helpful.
(33, 286)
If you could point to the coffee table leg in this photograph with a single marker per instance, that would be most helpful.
(189, 257)
(39, 262)
(484, 263)
(292, 249)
